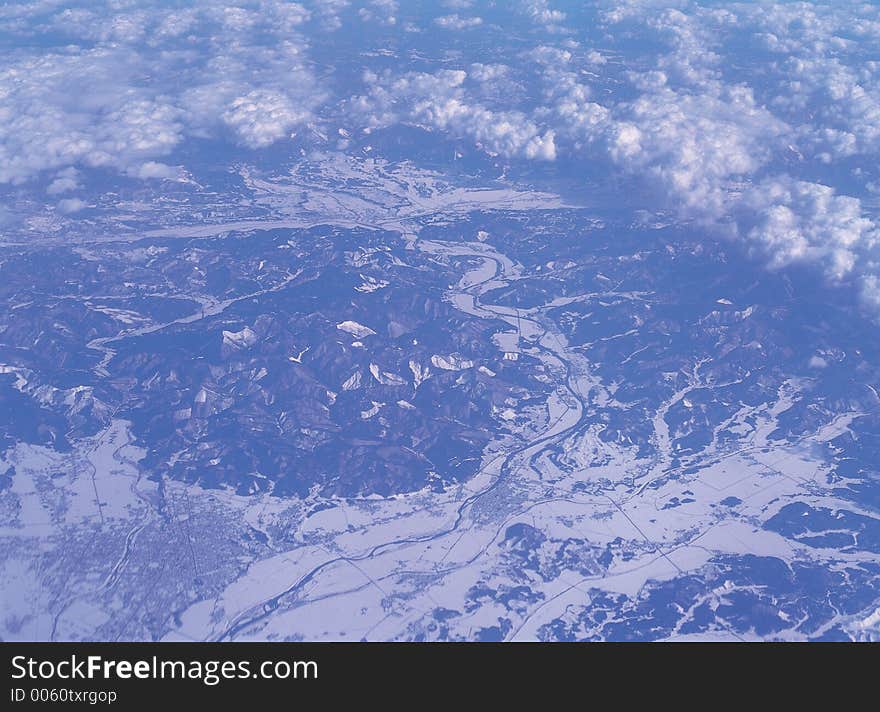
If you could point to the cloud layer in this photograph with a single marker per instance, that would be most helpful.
(120, 89)
(762, 118)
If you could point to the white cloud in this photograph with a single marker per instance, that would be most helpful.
(131, 82)
(596, 58)
(64, 182)
(262, 116)
(701, 133)
(439, 101)
(71, 205)
(327, 13)
(382, 11)
(549, 56)
(456, 22)
(694, 145)
(62, 185)
(798, 221)
(156, 170)
(569, 107)
(77, 108)
(539, 11)
(700, 136)
(488, 72)
(790, 221)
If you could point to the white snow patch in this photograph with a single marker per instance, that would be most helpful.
(352, 382)
(386, 378)
(240, 339)
(352, 327)
(367, 414)
(451, 362)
